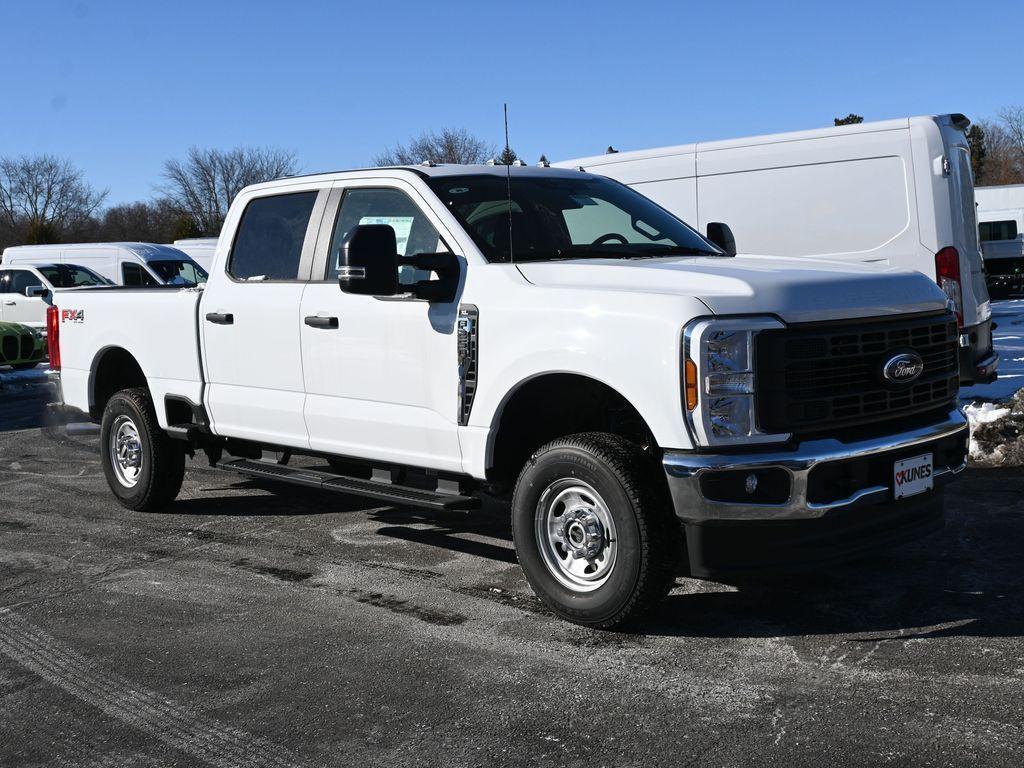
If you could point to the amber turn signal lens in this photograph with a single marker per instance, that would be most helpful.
(691, 384)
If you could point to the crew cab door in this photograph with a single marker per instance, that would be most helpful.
(249, 316)
(381, 374)
(16, 306)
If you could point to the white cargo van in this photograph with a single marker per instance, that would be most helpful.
(123, 263)
(1001, 231)
(898, 192)
(200, 249)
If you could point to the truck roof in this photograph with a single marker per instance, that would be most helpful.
(815, 133)
(144, 250)
(426, 171)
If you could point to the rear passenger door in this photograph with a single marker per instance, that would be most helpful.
(250, 320)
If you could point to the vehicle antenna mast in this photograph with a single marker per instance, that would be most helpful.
(508, 187)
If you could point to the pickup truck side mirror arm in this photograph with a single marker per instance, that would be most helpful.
(446, 265)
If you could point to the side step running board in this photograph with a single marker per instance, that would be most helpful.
(395, 494)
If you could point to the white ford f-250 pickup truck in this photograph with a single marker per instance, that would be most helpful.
(651, 404)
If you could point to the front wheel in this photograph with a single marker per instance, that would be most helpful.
(593, 530)
(143, 466)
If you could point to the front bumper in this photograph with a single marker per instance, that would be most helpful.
(856, 469)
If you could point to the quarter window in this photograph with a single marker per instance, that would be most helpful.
(414, 233)
(268, 245)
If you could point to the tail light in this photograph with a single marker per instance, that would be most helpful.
(947, 275)
(53, 336)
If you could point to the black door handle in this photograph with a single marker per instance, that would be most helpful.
(315, 321)
(220, 318)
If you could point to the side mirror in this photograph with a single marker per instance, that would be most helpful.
(721, 235)
(368, 261)
(37, 292)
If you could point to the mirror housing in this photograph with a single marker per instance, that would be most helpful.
(721, 235)
(37, 292)
(368, 261)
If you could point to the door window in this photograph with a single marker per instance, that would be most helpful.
(414, 233)
(268, 245)
(22, 279)
(5, 281)
(134, 274)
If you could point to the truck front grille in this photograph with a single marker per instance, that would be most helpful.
(819, 376)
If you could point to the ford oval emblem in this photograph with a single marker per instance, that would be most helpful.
(903, 368)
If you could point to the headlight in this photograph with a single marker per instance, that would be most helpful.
(719, 384)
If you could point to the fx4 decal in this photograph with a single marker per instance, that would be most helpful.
(72, 315)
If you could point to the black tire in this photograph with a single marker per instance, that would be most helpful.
(647, 534)
(162, 459)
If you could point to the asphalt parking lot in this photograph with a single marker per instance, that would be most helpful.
(256, 624)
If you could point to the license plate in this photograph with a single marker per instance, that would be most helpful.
(912, 476)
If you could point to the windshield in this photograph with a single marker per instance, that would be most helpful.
(179, 272)
(71, 276)
(564, 218)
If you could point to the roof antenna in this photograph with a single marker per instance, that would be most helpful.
(508, 188)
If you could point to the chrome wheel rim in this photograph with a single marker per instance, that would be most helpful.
(126, 451)
(576, 535)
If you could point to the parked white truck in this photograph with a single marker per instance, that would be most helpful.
(649, 404)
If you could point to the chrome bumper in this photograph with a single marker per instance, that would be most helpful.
(684, 471)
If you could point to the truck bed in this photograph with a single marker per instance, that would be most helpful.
(156, 326)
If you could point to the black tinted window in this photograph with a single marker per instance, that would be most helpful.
(71, 276)
(997, 230)
(20, 280)
(5, 281)
(133, 274)
(269, 240)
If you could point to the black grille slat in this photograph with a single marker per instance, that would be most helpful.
(815, 377)
(28, 346)
(9, 348)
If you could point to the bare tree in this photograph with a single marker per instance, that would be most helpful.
(207, 180)
(42, 197)
(450, 145)
(157, 221)
(1003, 157)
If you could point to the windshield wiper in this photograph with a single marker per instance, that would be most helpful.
(681, 250)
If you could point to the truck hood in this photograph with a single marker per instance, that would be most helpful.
(793, 289)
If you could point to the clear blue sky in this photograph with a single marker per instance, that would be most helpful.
(119, 86)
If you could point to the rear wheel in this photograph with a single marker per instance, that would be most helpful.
(143, 466)
(593, 530)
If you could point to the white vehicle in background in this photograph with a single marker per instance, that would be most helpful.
(137, 264)
(26, 291)
(200, 249)
(897, 192)
(1001, 232)
(647, 403)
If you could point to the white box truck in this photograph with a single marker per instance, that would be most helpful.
(897, 192)
(646, 403)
